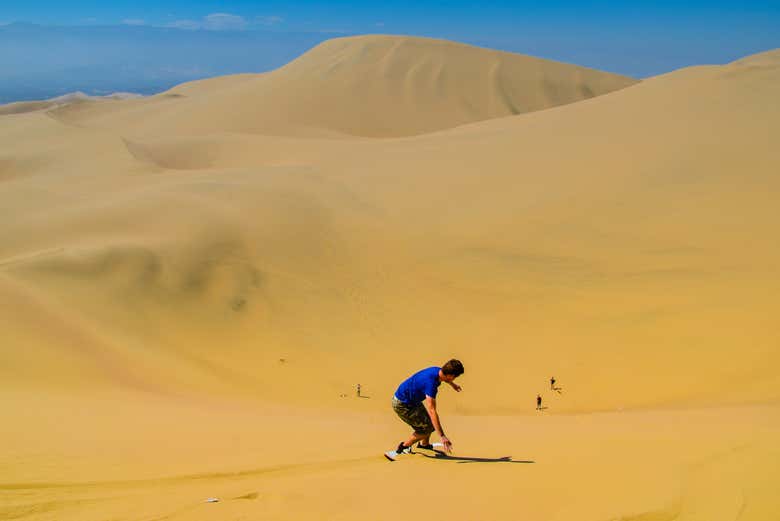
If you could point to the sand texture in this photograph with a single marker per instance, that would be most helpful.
(192, 284)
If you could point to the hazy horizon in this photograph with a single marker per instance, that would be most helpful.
(41, 58)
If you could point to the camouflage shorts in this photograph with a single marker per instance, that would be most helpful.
(415, 416)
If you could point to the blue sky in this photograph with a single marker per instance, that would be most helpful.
(458, 17)
(636, 38)
(609, 27)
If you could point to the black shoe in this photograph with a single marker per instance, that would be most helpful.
(426, 447)
(403, 450)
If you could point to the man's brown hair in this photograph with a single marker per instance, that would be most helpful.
(453, 367)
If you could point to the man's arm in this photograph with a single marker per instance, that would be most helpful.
(430, 406)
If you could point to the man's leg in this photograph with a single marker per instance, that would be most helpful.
(416, 437)
(417, 418)
(423, 426)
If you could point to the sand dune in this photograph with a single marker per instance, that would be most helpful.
(768, 58)
(192, 283)
(21, 107)
(374, 86)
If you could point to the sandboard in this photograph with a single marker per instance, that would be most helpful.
(393, 455)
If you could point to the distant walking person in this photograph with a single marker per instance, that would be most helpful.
(358, 390)
(415, 403)
(538, 402)
(552, 383)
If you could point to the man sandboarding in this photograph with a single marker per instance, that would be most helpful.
(415, 403)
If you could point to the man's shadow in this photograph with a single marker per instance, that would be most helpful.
(558, 390)
(440, 455)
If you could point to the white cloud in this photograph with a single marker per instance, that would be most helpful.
(269, 20)
(184, 24)
(224, 22)
(212, 22)
(133, 21)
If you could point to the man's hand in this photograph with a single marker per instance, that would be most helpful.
(447, 444)
(456, 387)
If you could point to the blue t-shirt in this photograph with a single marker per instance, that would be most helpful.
(423, 383)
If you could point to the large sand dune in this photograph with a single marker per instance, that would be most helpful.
(190, 283)
(375, 86)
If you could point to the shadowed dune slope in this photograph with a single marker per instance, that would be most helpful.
(371, 86)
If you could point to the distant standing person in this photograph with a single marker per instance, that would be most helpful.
(358, 390)
(552, 383)
(415, 403)
(538, 402)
